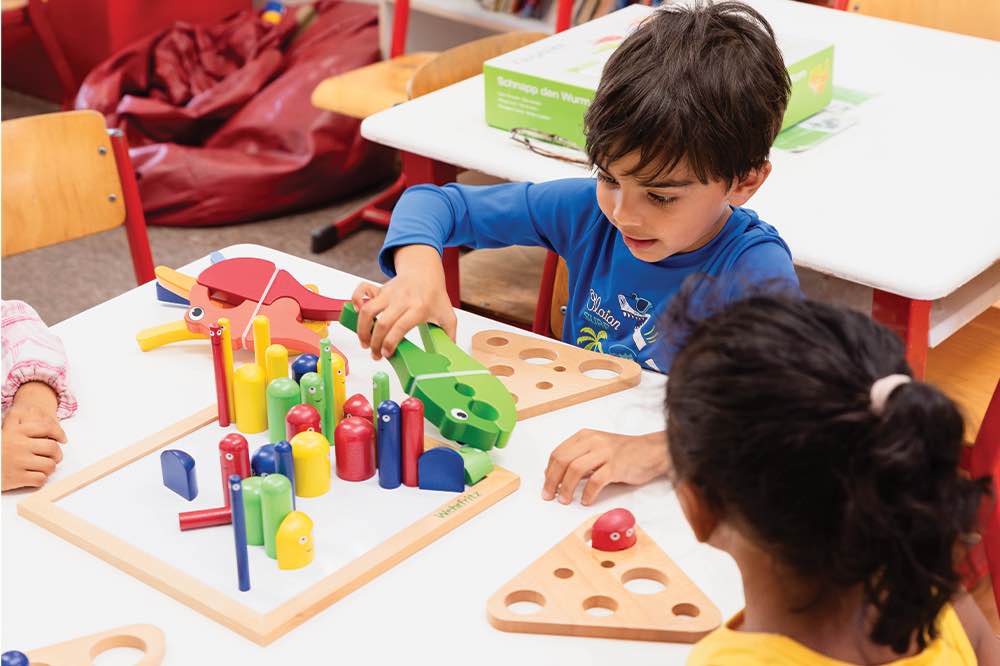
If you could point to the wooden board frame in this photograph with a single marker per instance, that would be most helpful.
(261, 628)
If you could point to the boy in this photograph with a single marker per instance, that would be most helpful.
(679, 134)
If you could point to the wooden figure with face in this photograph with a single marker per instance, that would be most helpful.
(614, 530)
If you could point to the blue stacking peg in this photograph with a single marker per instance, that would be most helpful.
(389, 445)
(239, 531)
(286, 464)
(264, 461)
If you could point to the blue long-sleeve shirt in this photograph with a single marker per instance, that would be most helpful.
(615, 299)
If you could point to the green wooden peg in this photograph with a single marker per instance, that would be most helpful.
(282, 395)
(312, 394)
(329, 404)
(276, 503)
(477, 464)
(252, 510)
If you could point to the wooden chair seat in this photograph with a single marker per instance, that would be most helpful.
(365, 91)
(502, 283)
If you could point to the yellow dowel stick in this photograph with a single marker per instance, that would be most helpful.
(339, 389)
(227, 361)
(276, 357)
(261, 341)
(251, 402)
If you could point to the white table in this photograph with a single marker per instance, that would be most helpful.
(430, 608)
(902, 202)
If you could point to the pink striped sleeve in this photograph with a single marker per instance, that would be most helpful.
(33, 353)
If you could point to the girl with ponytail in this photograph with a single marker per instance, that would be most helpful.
(802, 447)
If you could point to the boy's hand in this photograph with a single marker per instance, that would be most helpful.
(415, 296)
(31, 450)
(607, 458)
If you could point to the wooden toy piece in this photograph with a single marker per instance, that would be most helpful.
(196, 520)
(259, 280)
(339, 388)
(326, 372)
(572, 578)
(45, 508)
(614, 530)
(477, 464)
(355, 449)
(275, 503)
(413, 438)
(312, 393)
(14, 658)
(303, 364)
(252, 512)
(261, 341)
(227, 364)
(264, 461)
(389, 445)
(301, 418)
(276, 362)
(311, 455)
(282, 395)
(358, 405)
(295, 541)
(164, 295)
(85, 650)
(380, 388)
(557, 375)
(441, 469)
(467, 403)
(251, 405)
(239, 532)
(221, 390)
(177, 468)
(286, 464)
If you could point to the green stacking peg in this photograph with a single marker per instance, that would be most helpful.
(276, 503)
(313, 394)
(282, 395)
(477, 464)
(252, 509)
(461, 397)
(380, 389)
(326, 370)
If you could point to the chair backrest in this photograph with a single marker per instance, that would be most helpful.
(465, 61)
(560, 297)
(980, 18)
(60, 180)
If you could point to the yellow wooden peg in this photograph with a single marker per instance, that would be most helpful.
(276, 360)
(251, 403)
(295, 541)
(311, 458)
(261, 340)
(227, 362)
(339, 389)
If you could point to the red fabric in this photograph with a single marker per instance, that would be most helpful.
(219, 117)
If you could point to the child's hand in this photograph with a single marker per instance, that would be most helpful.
(607, 458)
(31, 448)
(415, 296)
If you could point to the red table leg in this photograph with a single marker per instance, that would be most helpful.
(908, 318)
(420, 169)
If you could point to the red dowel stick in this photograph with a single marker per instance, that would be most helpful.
(221, 392)
(193, 520)
(413, 438)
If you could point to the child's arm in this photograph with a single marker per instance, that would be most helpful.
(607, 458)
(427, 219)
(984, 641)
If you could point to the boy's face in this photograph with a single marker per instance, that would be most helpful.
(668, 213)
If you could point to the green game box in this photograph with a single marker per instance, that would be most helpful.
(548, 85)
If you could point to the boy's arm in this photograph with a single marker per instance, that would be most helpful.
(978, 630)
(543, 215)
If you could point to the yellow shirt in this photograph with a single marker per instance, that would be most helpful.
(725, 647)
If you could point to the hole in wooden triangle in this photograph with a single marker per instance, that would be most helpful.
(525, 602)
(537, 356)
(497, 341)
(600, 369)
(544, 385)
(644, 581)
(600, 606)
(502, 370)
(563, 572)
(685, 610)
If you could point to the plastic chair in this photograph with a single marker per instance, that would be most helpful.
(31, 13)
(65, 176)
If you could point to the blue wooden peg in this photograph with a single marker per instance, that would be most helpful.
(264, 461)
(389, 445)
(239, 530)
(441, 469)
(14, 658)
(177, 468)
(216, 257)
(303, 364)
(286, 464)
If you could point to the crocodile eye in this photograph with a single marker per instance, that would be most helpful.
(459, 414)
(196, 313)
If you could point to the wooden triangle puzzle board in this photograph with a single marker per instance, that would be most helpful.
(545, 375)
(572, 580)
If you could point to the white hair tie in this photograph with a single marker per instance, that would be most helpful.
(881, 390)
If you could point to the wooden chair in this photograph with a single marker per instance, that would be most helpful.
(980, 18)
(65, 175)
(32, 14)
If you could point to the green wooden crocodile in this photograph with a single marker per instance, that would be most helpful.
(461, 397)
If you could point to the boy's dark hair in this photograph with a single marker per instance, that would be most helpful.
(703, 83)
(770, 416)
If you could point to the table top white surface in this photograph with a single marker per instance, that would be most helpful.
(431, 607)
(902, 201)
